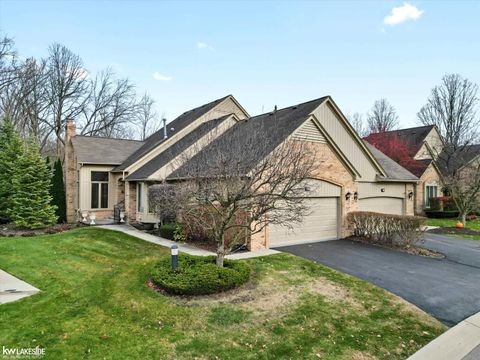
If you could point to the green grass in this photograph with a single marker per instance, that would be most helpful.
(95, 304)
(474, 225)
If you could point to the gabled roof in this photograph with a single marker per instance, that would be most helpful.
(175, 150)
(450, 161)
(172, 128)
(412, 137)
(269, 129)
(394, 171)
(97, 150)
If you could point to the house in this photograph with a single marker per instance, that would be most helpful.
(351, 174)
(416, 149)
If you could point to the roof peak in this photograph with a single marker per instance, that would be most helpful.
(323, 98)
(405, 129)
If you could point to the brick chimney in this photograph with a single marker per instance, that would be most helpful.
(70, 168)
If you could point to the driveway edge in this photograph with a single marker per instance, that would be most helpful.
(455, 344)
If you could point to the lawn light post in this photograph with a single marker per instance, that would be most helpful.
(174, 252)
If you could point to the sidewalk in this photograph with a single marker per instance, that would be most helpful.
(462, 342)
(13, 289)
(186, 248)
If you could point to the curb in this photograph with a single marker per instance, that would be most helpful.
(455, 344)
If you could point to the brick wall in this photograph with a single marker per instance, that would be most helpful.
(430, 176)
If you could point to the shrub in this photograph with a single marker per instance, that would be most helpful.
(167, 231)
(199, 275)
(386, 228)
(435, 214)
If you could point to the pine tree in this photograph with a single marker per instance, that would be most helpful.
(31, 199)
(58, 192)
(10, 149)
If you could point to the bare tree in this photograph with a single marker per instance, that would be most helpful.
(356, 120)
(146, 117)
(238, 184)
(460, 168)
(109, 107)
(382, 117)
(452, 107)
(67, 87)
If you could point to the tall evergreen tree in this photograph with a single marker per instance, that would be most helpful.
(58, 192)
(31, 199)
(10, 149)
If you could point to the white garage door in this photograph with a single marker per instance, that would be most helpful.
(320, 224)
(385, 205)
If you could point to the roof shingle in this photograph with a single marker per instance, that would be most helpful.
(96, 150)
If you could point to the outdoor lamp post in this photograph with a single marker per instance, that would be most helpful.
(174, 252)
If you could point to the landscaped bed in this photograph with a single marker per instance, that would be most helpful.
(447, 227)
(95, 304)
(10, 230)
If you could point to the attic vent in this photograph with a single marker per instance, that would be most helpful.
(309, 132)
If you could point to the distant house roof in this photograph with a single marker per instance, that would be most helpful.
(97, 150)
(451, 160)
(178, 124)
(176, 149)
(268, 130)
(412, 137)
(394, 171)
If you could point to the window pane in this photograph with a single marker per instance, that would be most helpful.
(99, 176)
(104, 196)
(139, 197)
(94, 204)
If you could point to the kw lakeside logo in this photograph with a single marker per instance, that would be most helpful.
(18, 353)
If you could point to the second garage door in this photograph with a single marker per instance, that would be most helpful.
(320, 224)
(385, 205)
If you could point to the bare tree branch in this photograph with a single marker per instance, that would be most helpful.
(382, 117)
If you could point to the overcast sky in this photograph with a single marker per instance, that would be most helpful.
(264, 53)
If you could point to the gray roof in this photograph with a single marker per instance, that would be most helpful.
(450, 160)
(394, 171)
(176, 149)
(97, 150)
(242, 146)
(178, 124)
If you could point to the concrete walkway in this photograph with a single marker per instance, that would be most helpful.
(462, 342)
(13, 289)
(183, 247)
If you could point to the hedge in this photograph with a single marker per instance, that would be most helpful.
(199, 275)
(167, 231)
(386, 228)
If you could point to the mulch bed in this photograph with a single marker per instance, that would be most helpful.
(454, 231)
(413, 250)
(10, 230)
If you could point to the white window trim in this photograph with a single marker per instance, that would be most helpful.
(425, 199)
(100, 192)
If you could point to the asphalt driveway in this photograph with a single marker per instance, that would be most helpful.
(448, 289)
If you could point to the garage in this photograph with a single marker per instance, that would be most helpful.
(320, 224)
(386, 205)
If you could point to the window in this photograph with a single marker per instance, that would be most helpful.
(99, 180)
(140, 197)
(430, 191)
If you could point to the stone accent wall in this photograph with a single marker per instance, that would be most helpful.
(70, 170)
(430, 176)
(131, 201)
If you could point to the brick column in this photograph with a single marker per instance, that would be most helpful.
(70, 170)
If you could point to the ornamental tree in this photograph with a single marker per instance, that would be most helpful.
(31, 199)
(58, 192)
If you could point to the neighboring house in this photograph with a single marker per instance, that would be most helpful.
(351, 174)
(416, 150)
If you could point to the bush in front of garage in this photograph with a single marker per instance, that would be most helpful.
(387, 229)
(199, 275)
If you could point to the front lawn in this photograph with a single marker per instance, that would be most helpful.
(95, 304)
(450, 223)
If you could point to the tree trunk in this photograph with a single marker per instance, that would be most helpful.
(464, 218)
(220, 255)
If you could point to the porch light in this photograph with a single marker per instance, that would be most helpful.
(382, 189)
(308, 188)
(174, 252)
(355, 196)
(348, 195)
(410, 195)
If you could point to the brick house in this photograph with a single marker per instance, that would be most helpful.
(422, 146)
(352, 174)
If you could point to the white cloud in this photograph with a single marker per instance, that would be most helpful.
(161, 77)
(201, 45)
(403, 13)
